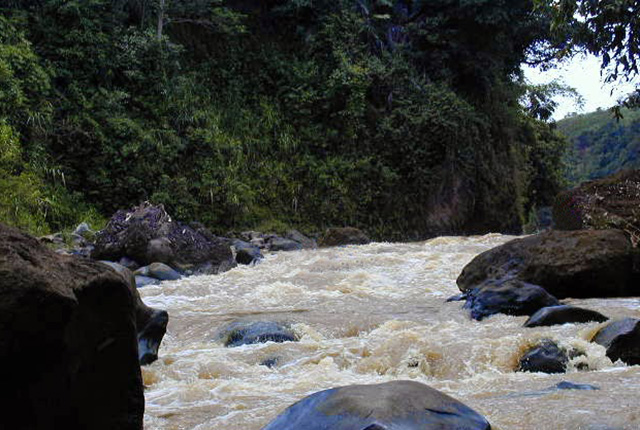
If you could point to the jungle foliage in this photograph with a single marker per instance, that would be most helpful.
(401, 117)
(600, 145)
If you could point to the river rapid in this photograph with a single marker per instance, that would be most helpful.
(371, 314)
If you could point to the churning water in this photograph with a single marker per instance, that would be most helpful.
(371, 314)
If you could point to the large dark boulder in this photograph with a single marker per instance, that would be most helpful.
(405, 405)
(250, 332)
(606, 203)
(151, 324)
(563, 314)
(547, 357)
(344, 236)
(247, 253)
(147, 234)
(622, 340)
(586, 263)
(68, 341)
(511, 297)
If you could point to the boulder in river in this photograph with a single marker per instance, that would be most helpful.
(277, 243)
(511, 297)
(247, 253)
(250, 332)
(147, 234)
(585, 263)
(151, 324)
(68, 354)
(144, 281)
(546, 357)
(606, 203)
(621, 339)
(406, 405)
(344, 236)
(563, 314)
(159, 271)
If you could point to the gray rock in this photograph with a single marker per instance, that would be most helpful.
(563, 314)
(158, 271)
(143, 281)
(250, 332)
(246, 253)
(282, 244)
(579, 264)
(296, 236)
(147, 234)
(401, 405)
(546, 357)
(511, 297)
(344, 236)
(622, 340)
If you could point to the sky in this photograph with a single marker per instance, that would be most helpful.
(582, 73)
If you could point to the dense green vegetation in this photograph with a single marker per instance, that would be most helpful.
(600, 144)
(400, 117)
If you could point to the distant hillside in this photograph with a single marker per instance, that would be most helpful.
(600, 145)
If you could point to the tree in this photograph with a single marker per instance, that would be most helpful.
(609, 29)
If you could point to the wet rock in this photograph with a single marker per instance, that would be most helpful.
(344, 236)
(296, 236)
(247, 253)
(281, 244)
(606, 203)
(511, 297)
(457, 298)
(546, 357)
(147, 234)
(68, 350)
(586, 263)
(563, 314)
(128, 263)
(158, 271)
(566, 385)
(622, 340)
(405, 405)
(250, 332)
(151, 323)
(143, 281)
(270, 362)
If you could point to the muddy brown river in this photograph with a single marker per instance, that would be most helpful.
(371, 314)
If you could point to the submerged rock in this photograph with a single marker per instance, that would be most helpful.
(566, 385)
(344, 236)
(405, 405)
(251, 332)
(147, 234)
(546, 357)
(68, 356)
(563, 314)
(621, 339)
(586, 263)
(510, 297)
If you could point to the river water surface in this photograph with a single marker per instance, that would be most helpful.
(371, 314)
